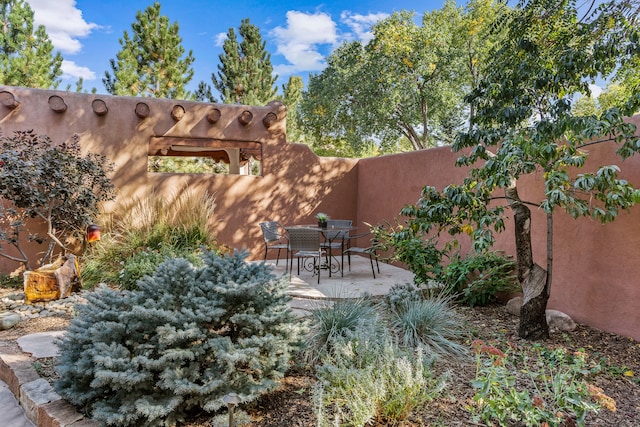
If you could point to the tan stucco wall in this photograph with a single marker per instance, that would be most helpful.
(296, 184)
(594, 274)
(595, 266)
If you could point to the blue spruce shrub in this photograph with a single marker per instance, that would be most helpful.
(185, 338)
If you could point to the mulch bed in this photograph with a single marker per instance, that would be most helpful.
(290, 404)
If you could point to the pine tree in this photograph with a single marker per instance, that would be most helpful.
(26, 56)
(184, 339)
(151, 62)
(245, 74)
(292, 96)
(203, 93)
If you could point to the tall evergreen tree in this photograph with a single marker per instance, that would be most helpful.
(26, 54)
(245, 74)
(203, 93)
(151, 62)
(292, 96)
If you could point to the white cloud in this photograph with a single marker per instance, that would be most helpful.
(71, 70)
(361, 24)
(63, 22)
(220, 38)
(300, 40)
(305, 34)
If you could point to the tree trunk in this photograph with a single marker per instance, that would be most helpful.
(533, 318)
(533, 322)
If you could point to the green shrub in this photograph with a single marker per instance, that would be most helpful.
(366, 378)
(146, 232)
(181, 341)
(410, 247)
(11, 281)
(477, 279)
(146, 261)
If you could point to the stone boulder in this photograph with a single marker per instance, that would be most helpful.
(560, 321)
(555, 319)
(8, 320)
(513, 305)
(52, 281)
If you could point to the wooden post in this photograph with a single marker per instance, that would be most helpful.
(8, 100)
(214, 115)
(142, 110)
(269, 120)
(245, 118)
(56, 103)
(99, 107)
(177, 113)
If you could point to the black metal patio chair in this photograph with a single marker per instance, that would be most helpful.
(369, 251)
(274, 238)
(304, 244)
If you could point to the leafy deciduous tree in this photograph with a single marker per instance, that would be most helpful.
(406, 84)
(26, 56)
(54, 183)
(627, 78)
(291, 96)
(151, 62)
(525, 124)
(614, 95)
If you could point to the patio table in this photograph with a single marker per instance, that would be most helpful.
(327, 232)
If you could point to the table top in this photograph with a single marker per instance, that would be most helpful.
(328, 228)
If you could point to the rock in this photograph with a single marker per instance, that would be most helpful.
(25, 310)
(52, 281)
(9, 320)
(514, 305)
(560, 321)
(555, 319)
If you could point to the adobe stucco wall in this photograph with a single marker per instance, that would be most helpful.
(296, 184)
(595, 266)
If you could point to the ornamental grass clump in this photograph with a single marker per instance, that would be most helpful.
(338, 320)
(429, 323)
(182, 340)
(147, 231)
(374, 359)
(424, 318)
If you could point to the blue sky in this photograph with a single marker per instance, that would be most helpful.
(299, 34)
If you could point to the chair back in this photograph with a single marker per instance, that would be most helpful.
(303, 239)
(270, 231)
(338, 223)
